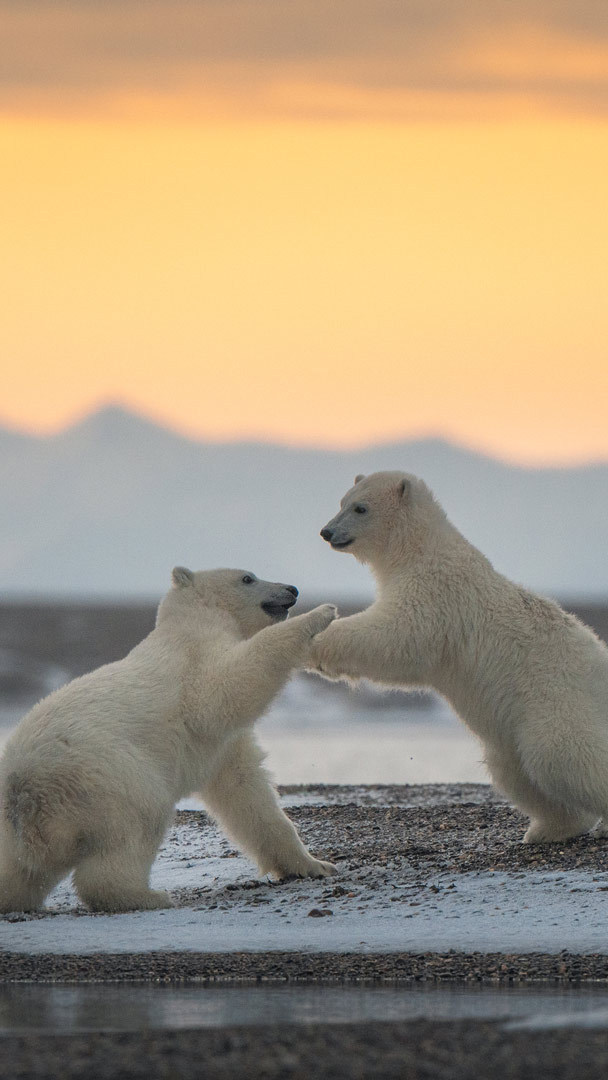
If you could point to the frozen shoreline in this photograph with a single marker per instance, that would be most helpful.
(422, 870)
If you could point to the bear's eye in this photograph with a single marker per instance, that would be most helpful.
(360, 509)
(247, 579)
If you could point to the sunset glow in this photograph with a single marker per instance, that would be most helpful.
(304, 252)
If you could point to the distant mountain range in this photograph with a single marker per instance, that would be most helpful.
(107, 507)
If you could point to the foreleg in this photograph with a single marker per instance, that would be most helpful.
(255, 670)
(242, 799)
(367, 646)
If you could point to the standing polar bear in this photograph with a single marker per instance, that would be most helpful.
(530, 680)
(90, 778)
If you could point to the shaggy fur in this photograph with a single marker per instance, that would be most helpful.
(529, 680)
(90, 778)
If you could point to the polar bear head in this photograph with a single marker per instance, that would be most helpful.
(382, 516)
(251, 602)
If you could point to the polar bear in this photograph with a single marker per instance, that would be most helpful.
(529, 680)
(90, 778)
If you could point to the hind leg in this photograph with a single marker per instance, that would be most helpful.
(550, 821)
(24, 886)
(24, 890)
(113, 873)
(119, 881)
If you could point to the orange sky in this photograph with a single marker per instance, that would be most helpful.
(358, 241)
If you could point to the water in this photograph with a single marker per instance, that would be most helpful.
(137, 1007)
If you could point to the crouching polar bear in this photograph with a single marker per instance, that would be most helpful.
(90, 778)
(530, 680)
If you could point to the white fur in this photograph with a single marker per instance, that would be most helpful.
(530, 680)
(90, 778)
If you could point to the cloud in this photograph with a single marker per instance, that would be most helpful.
(305, 58)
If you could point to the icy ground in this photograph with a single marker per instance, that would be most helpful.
(223, 907)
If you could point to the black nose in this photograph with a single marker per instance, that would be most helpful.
(326, 534)
(292, 589)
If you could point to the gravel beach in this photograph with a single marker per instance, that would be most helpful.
(400, 851)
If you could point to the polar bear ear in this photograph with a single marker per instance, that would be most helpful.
(182, 576)
(405, 488)
(360, 476)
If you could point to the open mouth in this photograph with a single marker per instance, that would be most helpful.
(339, 546)
(278, 611)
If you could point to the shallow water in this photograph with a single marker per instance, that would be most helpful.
(68, 1009)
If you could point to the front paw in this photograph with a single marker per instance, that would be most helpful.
(314, 868)
(320, 618)
(320, 868)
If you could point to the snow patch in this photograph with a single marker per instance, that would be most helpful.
(224, 908)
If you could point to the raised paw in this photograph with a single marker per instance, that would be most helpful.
(320, 618)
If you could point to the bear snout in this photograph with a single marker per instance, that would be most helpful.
(336, 537)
